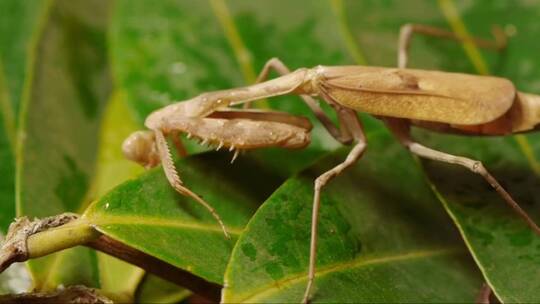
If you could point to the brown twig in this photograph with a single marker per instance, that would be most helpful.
(32, 239)
(107, 245)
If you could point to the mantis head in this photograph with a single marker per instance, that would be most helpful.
(141, 148)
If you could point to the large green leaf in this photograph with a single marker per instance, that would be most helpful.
(504, 246)
(62, 105)
(378, 240)
(149, 215)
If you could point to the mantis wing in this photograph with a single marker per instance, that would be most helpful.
(418, 94)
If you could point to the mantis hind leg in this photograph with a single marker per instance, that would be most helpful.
(401, 130)
(407, 31)
(340, 134)
(350, 118)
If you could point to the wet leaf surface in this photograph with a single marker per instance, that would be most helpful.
(501, 242)
(147, 214)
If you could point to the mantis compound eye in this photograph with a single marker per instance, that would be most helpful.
(141, 147)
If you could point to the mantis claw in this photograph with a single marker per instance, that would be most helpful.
(234, 156)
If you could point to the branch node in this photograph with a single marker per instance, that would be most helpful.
(14, 248)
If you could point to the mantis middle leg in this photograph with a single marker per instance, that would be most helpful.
(350, 118)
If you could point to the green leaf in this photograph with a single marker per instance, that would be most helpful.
(501, 242)
(20, 23)
(147, 213)
(378, 240)
(65, 92)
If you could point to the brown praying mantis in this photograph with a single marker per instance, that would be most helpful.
(400, 97)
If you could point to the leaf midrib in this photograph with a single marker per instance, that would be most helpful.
(269, 289)
(101, 219)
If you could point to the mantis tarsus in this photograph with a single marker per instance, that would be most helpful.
(400, 97)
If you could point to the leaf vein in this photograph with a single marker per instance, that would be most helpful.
(102, 220)
(355, 263)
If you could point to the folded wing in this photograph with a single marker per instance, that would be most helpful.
(418, 94)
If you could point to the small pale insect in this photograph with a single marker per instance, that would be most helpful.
(400, 97)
